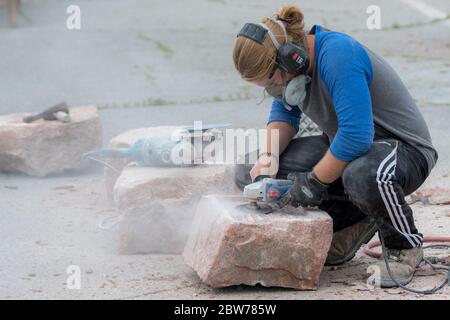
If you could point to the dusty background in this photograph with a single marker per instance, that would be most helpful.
(148, 63)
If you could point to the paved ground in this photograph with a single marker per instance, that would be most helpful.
(144, 63)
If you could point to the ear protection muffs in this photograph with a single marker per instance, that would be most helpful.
(290, 57)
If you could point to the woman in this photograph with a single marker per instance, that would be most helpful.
(376, 147)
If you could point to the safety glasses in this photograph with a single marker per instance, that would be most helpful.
(270, 80)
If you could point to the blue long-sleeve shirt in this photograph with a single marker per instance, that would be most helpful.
(345, 70)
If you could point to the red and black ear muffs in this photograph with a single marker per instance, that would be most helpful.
(290, 57)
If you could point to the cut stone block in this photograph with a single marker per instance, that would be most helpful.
(44, 147)
(230, 246)
(158, 204)
(126, 140)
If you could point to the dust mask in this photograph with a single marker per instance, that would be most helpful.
(292, 93)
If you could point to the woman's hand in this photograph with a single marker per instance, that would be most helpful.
(268, 161)
(266, 165)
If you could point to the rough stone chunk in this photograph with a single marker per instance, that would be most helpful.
(126, 140)
(230, 246)
(44, 147)
(435, 196)
(158, 204)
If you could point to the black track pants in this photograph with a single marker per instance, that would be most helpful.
(376, 184)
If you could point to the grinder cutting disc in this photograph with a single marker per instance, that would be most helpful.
(255, 207)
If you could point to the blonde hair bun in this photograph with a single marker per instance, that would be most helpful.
(294, 20)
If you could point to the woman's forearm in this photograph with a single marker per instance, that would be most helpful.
(285, 134)
(329, 168)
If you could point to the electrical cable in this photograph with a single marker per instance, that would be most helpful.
(433, 266)
(103, 163)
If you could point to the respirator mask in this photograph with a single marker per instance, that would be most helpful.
(292, 92)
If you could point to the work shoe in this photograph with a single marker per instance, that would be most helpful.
(403, 264)
(347, 242)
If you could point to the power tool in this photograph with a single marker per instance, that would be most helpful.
(157, 151)
(146, 152)
(264, 195)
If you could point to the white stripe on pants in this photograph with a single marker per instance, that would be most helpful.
(390, 199)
